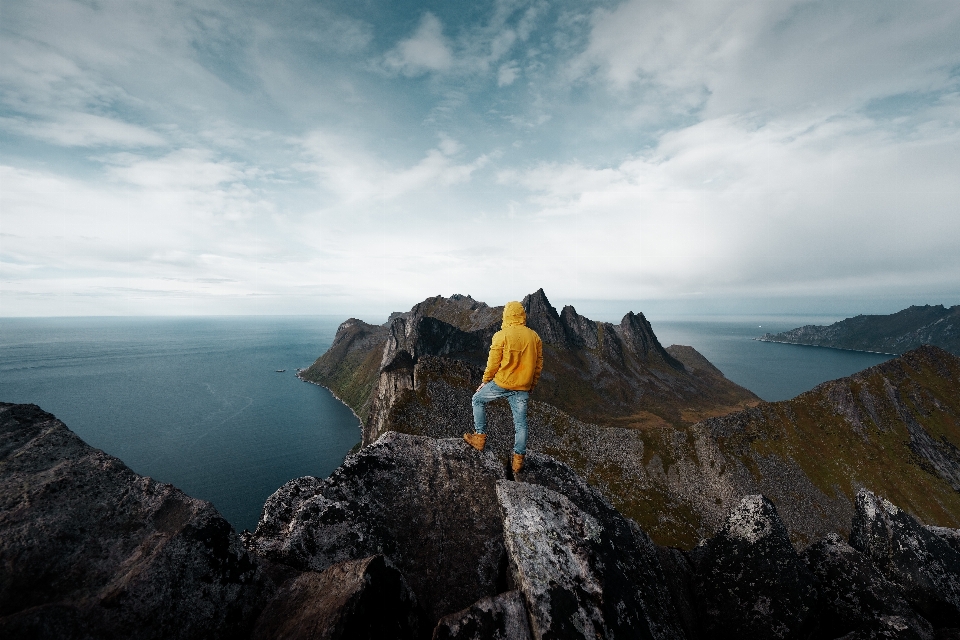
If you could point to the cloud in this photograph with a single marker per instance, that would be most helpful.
(507, 74)
(84, 130)
(355, 176)
(181, 169)
(426, 50)
(724, 206)
(773, 57)
(616, 150)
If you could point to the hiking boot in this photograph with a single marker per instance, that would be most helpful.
(476, 440)
(517, 462)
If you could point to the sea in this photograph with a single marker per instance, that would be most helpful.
(213, 405)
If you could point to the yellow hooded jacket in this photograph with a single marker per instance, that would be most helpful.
(516, 354)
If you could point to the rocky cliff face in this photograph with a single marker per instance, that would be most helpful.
(895, 333)
(597, 372)
(414, 537)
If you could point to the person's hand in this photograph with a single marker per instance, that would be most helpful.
(481, 386)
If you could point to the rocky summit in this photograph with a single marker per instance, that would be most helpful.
(598, 372)
(679, 469)
(416, 537)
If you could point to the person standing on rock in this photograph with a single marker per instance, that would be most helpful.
(513, 370)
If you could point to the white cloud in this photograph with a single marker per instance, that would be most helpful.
(426, 50)
(181, 169)
(356, 176)
(507, 74)
(732, 56)
(724, 207)
(84, 130)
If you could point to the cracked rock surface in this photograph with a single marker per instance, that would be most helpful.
(579, 577)
(364, 598)
(856, 597)
(90, 549)
(924, 564)
(428, 506)
(750, 580)
(502, 617)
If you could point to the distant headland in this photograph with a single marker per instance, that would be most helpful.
(892, 334)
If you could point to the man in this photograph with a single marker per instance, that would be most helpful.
(513, 370)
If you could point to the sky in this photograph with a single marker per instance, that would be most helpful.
(333, 157)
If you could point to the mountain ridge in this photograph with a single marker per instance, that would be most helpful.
(891, 334)
(595, 371)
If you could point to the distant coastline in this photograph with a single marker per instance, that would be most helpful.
(892, 334)
(823, 346)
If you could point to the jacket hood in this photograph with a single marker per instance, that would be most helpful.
(513, 314)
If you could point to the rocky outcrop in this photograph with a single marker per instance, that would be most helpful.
(856, 598)
(502, 617)
(750, 581)
(895, 333)
(428, 506)
(88, 548)
(579, 578)
(364, 598)
(908, 554)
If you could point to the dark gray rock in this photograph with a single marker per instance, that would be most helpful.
(429, 506)
(625, 551)
(750, 581)
(636, 332)
(680, 574)
(88, 548)
(581, 331)
(919, 561)
(354, 600)
(502, 617)
(856, 597)
(581, 576)
(948, 535)
(542, 317)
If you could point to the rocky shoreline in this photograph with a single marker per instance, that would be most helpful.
(417, 537)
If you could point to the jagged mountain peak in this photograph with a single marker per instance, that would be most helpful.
(543, 318)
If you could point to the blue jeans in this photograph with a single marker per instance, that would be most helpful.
(518, 404)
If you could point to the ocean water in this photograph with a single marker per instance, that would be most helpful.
(197, 402)
(772, 371)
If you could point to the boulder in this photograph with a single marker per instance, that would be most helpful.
(856, 597)
(502, 617)
(638, 557)
(750, 581)
(922, 563)
(429, 506)
(358, 599)
(88, 548)
(579, 576)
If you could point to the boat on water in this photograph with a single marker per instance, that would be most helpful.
(280, 370)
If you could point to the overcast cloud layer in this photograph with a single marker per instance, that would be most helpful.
(217, 157)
